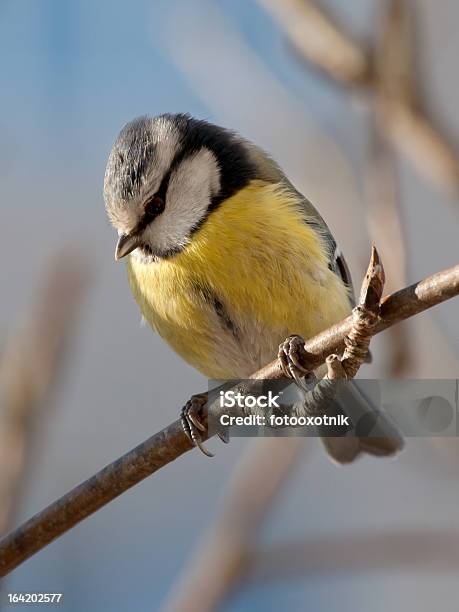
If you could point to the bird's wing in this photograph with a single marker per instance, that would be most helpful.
(270, 172)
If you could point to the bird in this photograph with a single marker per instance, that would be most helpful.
(226, 258)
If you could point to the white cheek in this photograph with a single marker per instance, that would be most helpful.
(191, 187)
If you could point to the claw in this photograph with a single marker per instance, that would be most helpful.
(191, 424)
(195, 421)
(289, 352)
(298, 380)
(186, 428)
(224, 437)
(198, 442)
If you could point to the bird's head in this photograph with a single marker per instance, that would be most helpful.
(164, 176)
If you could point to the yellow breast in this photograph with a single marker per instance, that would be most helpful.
(268, 270)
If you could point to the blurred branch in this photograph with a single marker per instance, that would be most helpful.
(383, 214)
(29, 368)
(412, 133)
(328, 47)
(417, 549)
(398, 101)
(171, 442)
(221, 559)
(394, 83)
(320, 41)
(385, 228)
(394, 56)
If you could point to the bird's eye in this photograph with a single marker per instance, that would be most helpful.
(154, 206)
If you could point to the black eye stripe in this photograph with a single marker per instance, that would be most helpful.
(149, 215)
(161, 193)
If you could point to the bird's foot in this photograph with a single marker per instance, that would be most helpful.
(290, 356)
(191, 416)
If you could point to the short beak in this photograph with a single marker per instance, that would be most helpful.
(126, 244)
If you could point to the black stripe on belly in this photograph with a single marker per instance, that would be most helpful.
(217, 305)
(223, 316)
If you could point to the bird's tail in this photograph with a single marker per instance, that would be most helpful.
(372, 431)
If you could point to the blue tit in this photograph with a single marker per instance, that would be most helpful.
(225, 257)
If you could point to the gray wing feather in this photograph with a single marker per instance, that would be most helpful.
(270, 172)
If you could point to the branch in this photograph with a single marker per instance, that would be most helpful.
(326, 46)
(395, 81)
(320, 41)
(412, 549)
(365, 317)
(171, 442)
